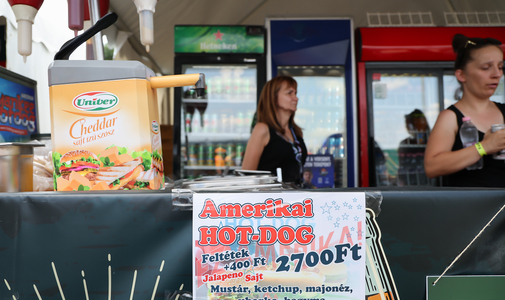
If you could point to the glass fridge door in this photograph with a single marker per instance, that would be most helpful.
(216, 127)
(405, 106)
(321, 112)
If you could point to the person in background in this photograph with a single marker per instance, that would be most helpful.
(307, 179)
(276, 141)
(411, 150)
(479, 67)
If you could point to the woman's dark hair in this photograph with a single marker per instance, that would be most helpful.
(268, 104)
(464, 47)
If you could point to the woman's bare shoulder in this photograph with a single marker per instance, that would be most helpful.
(261, 129)
(447, 115)
(446, 121)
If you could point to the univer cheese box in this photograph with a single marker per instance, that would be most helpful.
(104, 126)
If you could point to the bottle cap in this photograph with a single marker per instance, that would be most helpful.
(466, 119)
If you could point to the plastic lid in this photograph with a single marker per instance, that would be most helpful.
(466, 119)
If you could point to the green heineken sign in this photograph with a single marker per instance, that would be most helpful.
(217, 39)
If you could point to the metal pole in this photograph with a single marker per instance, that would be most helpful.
(94, 16)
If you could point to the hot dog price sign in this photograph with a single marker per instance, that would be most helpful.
(262, 246)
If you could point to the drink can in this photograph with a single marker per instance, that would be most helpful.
(238, 155)
(228, 160)
(500, 154)
(209, 160)
(201, 155)
(191, 149)
(192, 155)
(229, 148)
(219, 156)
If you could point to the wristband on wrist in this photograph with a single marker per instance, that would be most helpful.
(480, 149)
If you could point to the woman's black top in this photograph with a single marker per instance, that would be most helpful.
(492, 173)
(279, 153)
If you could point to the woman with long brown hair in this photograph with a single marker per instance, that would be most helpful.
(276, 141)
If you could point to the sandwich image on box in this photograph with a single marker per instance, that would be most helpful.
(104, 125)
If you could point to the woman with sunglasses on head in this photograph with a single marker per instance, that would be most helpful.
(276, 141)
(479, 67)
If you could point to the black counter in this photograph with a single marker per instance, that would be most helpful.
(422, 232)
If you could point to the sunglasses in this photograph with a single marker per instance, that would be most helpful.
(481, 41)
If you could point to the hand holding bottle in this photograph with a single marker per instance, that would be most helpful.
(469, 137)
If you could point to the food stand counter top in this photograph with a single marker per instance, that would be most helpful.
(48, 237)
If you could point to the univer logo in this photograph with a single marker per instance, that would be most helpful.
(95, 101)
(155, 127)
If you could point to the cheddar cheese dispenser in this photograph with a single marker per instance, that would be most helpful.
(104, 120)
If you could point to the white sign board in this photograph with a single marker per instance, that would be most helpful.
(279, 246)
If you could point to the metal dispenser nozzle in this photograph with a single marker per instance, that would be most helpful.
(200, 85)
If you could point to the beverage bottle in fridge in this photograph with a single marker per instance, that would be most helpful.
(228, 160)
(332, 146)
(192, 155)
(240, 122)
(226, 87)
(238, 155)
(218, 86)
(209, 88)
(201, 155)
(205, 92)
(341, 152)
(329, 122)
(187, 94)
(249, 123)
(219, 156)
(469, 136)
(253, 88)
(184, 155)
(319, 95)
(209, 159)
(237, 87)
(224, 124)
(246, 88)
(201, 107)
(195, 124)
(213, 123)
(188, 123)
(206, 123)
(336, 121)
(328, 96)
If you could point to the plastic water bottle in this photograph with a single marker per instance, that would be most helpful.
(469, 136)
